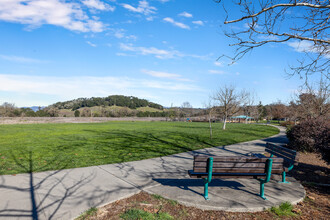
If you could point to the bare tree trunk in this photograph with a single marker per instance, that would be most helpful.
(210, 127)
(224, 124)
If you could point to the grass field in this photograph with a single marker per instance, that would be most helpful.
(41, 147)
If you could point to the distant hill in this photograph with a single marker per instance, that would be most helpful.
(36, 108)
(114, 100)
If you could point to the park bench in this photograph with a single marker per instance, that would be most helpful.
(290, 157)
(219, 167)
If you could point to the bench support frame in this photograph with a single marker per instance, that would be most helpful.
(207, 180)
(284, 173)
(269, 164)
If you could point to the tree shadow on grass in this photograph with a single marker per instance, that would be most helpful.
(145, 145)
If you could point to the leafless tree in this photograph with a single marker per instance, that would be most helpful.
(228, 100)
(313, 102)
(304, 22)
(278, 110)
(86, 112)
(186, 109)
(53, 112)
(7, 109)
(293, 111)
(211, 111)
(248, 104)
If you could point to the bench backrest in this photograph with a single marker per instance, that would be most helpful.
(236, 164)
(290, 156)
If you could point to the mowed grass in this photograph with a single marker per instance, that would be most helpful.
(41, 147)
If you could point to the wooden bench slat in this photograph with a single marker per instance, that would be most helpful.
(234, 159)
(237, 165)
(193, 174)
(234, 170)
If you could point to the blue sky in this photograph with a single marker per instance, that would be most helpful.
(163, 50)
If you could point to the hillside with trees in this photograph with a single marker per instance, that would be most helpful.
(114, 100)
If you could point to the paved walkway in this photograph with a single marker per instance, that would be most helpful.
(65, 194)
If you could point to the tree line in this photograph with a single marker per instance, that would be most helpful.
(114, 100)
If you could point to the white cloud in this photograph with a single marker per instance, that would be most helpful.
(303, 46)
(201, 23)
(91, 44)
(55, 12)
(97, 4)
(66, 88)
(121, 33)
(186, 14)
(175, 23)
(217, 63)
(218, 72)
(159, 53)
(143, 8)
(165, 75)
(308, 47)
(19, 59)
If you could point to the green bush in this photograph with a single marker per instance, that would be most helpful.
(311, 136)
(76, 113)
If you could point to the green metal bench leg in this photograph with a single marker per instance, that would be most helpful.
(208, 179)
(206, 190)
(269, 164)
(283, 178)
(262, 190)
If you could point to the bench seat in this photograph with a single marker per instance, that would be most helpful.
(221, 167)
(290, 157)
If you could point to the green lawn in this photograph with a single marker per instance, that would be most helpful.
(40, 147)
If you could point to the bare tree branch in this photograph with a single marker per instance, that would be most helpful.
(275, 6)
(301, 24)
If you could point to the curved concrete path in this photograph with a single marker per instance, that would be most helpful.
(65, 194)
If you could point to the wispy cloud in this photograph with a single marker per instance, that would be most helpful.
(218, 72)
(185, 14)
(121, 34)
(87, 86)
(175, 23)
(20, 59)
(308, 47)
(55, 12)
(143, 8)
(165, 75)
(91, 44)
(217, 63)
(201, 23)
(99, 5)
(159, 53)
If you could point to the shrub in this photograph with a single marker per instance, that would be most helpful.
(76, 113)
(311, 136)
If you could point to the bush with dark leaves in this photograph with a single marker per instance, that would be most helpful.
(311, 136)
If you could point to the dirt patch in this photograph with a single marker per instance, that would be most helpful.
(312, 172)
(42, 120)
